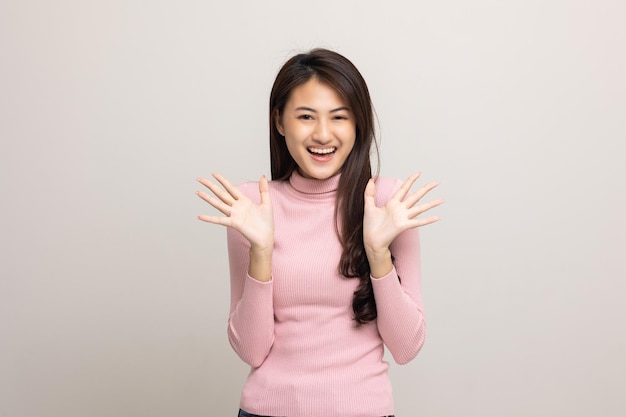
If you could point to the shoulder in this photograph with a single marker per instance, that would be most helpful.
(251, 189)
(385, 187)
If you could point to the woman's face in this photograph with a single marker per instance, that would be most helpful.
(319, 129)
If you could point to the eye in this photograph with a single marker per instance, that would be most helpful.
(341, 117)
(305, 117)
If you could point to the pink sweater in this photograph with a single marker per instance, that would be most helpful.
(297, 331)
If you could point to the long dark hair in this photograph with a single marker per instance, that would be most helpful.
(339, 73)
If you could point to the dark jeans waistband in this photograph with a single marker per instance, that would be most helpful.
(246, 414)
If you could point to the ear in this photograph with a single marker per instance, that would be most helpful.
(279, 123)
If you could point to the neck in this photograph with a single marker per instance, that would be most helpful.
(312, 185)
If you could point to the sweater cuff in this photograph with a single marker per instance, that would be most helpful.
(257, 293)
(388, 285)
(391, 274)
(249, 278)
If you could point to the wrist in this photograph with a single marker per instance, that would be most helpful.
(380, 262)
(260, 267)
(377, 253)
(262, 251)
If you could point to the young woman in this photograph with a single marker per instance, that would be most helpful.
(324, 259)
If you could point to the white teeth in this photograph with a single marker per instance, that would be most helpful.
(322, 151)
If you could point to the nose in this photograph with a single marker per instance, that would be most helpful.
(322, 133)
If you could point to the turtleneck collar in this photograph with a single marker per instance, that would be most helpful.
(314, 186)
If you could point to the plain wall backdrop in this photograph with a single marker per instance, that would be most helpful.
(114, 297)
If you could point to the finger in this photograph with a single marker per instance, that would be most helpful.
(264, 190)
(220, 205)
(423, 222)
(224, 221)
(406, 186)
(370, 192)
(422, 208)
(412, 199)
(218, 191)
(232, 190)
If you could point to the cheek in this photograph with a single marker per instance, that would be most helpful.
(349, 134)
(290, 146)
(350, 141)
(294, 131)
(294, 148)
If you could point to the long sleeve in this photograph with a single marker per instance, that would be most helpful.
(398, 295)
(251, 318)
(399, 300)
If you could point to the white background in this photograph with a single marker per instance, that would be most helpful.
(114, 297)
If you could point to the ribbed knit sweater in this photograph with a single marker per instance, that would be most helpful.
(297, 332)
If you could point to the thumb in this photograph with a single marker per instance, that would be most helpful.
(264, 190)
(370, 192)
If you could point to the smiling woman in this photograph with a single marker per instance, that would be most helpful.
(316, 254)
(318, 128)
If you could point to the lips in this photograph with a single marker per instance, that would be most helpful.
(321, 151)
(322, 154)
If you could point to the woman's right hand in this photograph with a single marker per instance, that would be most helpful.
(254, 221)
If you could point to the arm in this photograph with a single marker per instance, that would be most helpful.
(392, 229)
(250, 236)
(399, 301)
(251, 319)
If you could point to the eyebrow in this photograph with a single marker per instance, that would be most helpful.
(304, 108)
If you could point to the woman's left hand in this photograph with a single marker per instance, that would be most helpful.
(381, 225)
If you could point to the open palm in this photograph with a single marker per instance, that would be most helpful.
(254, 221)
(381, 225)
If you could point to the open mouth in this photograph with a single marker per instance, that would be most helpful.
(321, 151)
